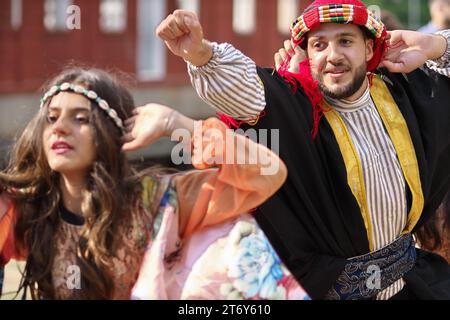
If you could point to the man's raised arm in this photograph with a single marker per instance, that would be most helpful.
(222, 76)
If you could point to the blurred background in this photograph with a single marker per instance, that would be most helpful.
(40, 37)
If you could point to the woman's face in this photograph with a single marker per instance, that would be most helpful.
(68, 135)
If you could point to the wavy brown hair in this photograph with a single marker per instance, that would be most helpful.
(434, 235)
(111, 191)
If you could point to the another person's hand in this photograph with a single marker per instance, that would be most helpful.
(151, 122)
(148, 124)
(409, 50)
(183, 35)
(296, 55)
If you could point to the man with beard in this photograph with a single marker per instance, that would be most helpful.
(367, 149)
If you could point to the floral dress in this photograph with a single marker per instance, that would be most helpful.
(192, 238)
(229, 261)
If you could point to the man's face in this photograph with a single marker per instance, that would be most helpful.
(338, 55)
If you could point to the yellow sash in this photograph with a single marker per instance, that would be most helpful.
(398, 132)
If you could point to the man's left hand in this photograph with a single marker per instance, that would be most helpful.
(409, 50)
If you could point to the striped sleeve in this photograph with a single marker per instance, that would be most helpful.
(229, 83)
(442, 65)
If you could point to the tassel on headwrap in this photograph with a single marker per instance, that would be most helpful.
(309, 85)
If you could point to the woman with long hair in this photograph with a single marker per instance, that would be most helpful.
(82, 217)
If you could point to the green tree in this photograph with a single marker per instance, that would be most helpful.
(403, 9)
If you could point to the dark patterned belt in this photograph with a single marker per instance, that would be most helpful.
(365, 276)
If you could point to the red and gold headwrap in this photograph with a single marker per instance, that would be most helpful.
(341, 11)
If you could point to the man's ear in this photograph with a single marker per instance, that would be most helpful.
(369, 49)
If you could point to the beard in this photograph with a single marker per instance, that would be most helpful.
(346, 91)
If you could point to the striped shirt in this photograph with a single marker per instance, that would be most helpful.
(442, 65)
(230, 83)
(383, 177)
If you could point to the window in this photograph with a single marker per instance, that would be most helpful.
(55, 14)
(151, 51)
(191, 5)
(287, 12)
(244, 16)
(16, 14)
(113, 16)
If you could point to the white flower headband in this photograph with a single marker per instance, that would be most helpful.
(91, 95)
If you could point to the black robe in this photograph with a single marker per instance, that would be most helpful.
(314, 221)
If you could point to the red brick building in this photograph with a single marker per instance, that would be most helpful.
(36, 42)
(40, 37)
